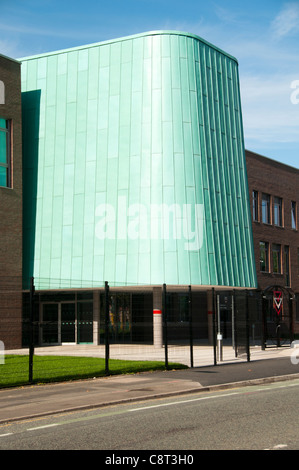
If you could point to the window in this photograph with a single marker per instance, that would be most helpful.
(255, 207)
(278, 211)
(264, 257)
(266, 208)
(2, 92)
(276, 252)
(294, 215)
(4, 152)
(287, 265)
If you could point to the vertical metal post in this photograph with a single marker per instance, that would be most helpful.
(264, 321)
(31, 335)
(291, 326)
(233, 322)
(247, 327)
(219, 335)
(164, 313)
(214, 327)
(190, 325)
(106, 328)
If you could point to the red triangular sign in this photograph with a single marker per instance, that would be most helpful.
(277, 301)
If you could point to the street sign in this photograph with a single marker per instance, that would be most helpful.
(277, 301)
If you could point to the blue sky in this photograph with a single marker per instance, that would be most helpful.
(263, 35)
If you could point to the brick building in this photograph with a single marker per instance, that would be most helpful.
(274, 189)
(10, 203)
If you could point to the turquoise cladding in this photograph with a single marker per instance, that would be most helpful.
(134, 165)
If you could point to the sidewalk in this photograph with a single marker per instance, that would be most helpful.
(41, 400)
(203, 355)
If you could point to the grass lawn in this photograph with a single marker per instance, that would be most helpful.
(15, 370)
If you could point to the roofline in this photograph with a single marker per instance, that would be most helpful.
(271, 161)
(127, 38)
(10, 58)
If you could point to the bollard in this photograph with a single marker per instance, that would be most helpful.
(219, 347)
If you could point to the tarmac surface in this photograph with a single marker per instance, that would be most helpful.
(273, 364)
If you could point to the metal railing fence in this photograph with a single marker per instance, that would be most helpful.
(66, 335)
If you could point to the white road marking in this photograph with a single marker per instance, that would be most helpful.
(183, 401)
(223, 395)
(43, 427)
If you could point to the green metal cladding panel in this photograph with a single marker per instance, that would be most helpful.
(122, 139)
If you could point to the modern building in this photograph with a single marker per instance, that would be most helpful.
(135, 174)
(11, 196)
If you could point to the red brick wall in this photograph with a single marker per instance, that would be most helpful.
(11, 215)
(271, 177)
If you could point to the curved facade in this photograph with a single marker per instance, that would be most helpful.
(134, 165)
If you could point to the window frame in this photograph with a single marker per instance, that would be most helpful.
(7, 164)
(265, 245)
(276, 248)
(294, 215)
(255, 205)
(278, 211)
(266, 198)
(287, 265)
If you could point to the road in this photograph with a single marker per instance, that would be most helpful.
(256, 417)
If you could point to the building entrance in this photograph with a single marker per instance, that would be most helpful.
(66, 323)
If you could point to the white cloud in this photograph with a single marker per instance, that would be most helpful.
(268, 112)
(287, 21)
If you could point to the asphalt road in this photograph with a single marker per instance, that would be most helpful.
(257, 417)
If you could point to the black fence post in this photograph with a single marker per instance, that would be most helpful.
(291, 326)
(31, 335)
(247, 327)
(107, 328)
(164, 313)
(264, 321)
(235, 319)
(190, 325)
(214, 327)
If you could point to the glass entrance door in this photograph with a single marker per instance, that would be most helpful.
(85, 322)
(68, 322)
(58, 323)
(49, 323)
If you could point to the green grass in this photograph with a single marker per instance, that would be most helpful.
(15, 370)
